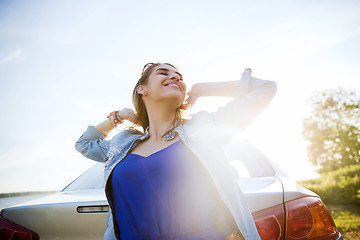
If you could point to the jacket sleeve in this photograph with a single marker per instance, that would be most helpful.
(253, 95)
(92, 144)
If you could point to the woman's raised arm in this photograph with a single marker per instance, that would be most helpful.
(92, 144)
(247, 85)
(106, 126)
(251, 96)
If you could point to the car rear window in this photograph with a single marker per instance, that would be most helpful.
(93, 178)
(247, 161)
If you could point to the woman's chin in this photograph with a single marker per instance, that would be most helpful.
(176, 97)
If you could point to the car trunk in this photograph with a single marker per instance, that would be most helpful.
(57, 216)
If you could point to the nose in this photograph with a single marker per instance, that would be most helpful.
(175, 77)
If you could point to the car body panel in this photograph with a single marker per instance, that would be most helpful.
(59, 214)
(292, 190)
(261, 193)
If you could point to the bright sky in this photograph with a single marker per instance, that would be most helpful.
(67, 64)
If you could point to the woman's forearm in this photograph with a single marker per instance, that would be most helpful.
(106, 126)
(221, 89)
(230, 88)
(248, 86)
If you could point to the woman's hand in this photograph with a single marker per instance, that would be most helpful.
(127, 114)
(191, 97)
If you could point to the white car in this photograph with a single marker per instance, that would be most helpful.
(281, 208)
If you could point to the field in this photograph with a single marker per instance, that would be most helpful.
(347, 220)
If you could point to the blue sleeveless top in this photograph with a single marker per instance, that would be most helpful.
(167, 195)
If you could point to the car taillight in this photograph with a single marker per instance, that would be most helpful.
(12, 231)
(270, 223)
(308, 218)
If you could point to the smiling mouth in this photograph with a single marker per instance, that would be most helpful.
(174, 85)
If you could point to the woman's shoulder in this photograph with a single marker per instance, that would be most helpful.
(126, 137)
(127, 132)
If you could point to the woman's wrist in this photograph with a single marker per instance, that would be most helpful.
(118, 117)
(112, 122)
(114, 118)
(120, 114)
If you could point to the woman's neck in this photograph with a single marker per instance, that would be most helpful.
(160, 120)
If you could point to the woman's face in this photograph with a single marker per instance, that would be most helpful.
(164, 83)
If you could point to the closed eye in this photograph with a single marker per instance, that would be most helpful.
(164, 71)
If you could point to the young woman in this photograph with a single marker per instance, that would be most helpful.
(172, 180)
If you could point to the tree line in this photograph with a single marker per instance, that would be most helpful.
(332, 133)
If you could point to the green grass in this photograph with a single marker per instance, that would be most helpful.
(347, 220)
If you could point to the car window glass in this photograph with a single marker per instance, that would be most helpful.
(239, 169)
(93, 178)
(247, 161)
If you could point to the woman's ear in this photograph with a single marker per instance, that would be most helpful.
(140, 90)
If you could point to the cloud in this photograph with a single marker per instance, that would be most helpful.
(11, 56)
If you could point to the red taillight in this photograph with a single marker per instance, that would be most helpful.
(12, 231)
(300, 220)
(270, 222)
(308, 218)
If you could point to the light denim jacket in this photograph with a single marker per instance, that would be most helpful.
(205, 134)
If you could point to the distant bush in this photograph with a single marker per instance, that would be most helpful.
(341, 186)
